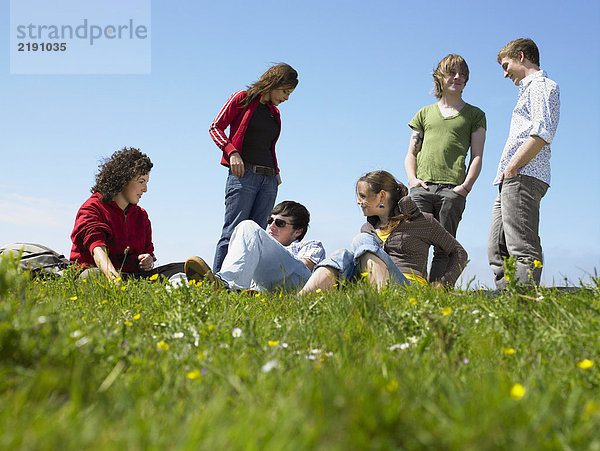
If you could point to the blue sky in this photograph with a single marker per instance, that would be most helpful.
(364, 70)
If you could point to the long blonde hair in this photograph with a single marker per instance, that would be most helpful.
(383, 180)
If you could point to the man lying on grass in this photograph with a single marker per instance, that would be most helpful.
(265, 260)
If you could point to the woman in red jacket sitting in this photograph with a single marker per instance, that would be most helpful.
(112, 233)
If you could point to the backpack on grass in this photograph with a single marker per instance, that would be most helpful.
(38, 259)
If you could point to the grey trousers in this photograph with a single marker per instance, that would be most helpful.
(514, 230)
(447, 207)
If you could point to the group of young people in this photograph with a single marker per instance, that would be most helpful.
(261, 245)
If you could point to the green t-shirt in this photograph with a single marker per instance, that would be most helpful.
(446, 142)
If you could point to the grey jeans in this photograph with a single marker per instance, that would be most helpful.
(515, 229)
(447, 207)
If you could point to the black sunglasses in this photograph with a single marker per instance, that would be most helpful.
(278, 222)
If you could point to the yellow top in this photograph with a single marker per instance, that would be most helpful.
(383, 235)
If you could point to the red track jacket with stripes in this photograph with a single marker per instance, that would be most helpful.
(235, 117)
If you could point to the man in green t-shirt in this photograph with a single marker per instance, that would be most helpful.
(442, 134)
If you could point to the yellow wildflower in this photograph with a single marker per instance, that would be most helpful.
(211, 327)
(392, 386)
(199, 283)
(517, 391)
(128, 323)
(364, 274)
(507, 277)
(193, 375)
(318, 290)
(162, 346)
(508, 351)
(447, 310)
(123, 288)
(136, 317)
(273, 342)
(585, 364)
(412, 301)
(537, 264)
(153, 277)
(104, 302)
(117, 279)
(73, 298)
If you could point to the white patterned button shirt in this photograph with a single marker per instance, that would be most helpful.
(536, 114)
(310, 249)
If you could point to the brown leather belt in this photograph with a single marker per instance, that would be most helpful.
(260, 170)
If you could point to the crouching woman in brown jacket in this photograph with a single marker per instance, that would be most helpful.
(394, 242)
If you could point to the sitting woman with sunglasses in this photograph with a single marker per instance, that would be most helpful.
(112, 234)
(265, 260)
(393, 244)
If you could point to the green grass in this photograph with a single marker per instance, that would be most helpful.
(96, 366)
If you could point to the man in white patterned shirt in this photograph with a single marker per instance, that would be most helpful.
(266, 260)
(524, 171)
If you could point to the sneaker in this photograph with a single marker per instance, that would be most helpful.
(197, 269)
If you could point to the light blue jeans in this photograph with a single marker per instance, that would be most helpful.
(346, 260)
(249, 197)
(259, 262)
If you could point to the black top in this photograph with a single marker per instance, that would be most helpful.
(258, 139)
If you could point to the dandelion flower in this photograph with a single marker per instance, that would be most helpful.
(153, 277)
(162, 346)
(273, 342)
(364, 274)
(319, 290)
(236, 333)
(136, 317)
(508, 351)
(412, 301)
(537, 264)
(507, 277)
(447, 310)
(193, 375)
(585, 364)
(128, 323)
(73, 298)
(517, 391)
(117, 279)
(392, 386)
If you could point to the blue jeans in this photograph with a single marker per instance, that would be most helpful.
(258, 261)
(346, 260)
(515, 229)
(447, 206)
(249, 197)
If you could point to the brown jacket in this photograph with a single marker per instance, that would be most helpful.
(408, 244)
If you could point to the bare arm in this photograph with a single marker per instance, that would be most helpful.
(524, 155)
(102, 261)
(410, 162)
(477, 142)
(309, 263)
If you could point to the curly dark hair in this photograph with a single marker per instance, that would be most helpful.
(118, 170)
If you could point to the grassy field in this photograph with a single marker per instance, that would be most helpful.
(142, 366)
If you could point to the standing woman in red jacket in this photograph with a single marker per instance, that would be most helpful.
(249, 151)
(112, 234)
